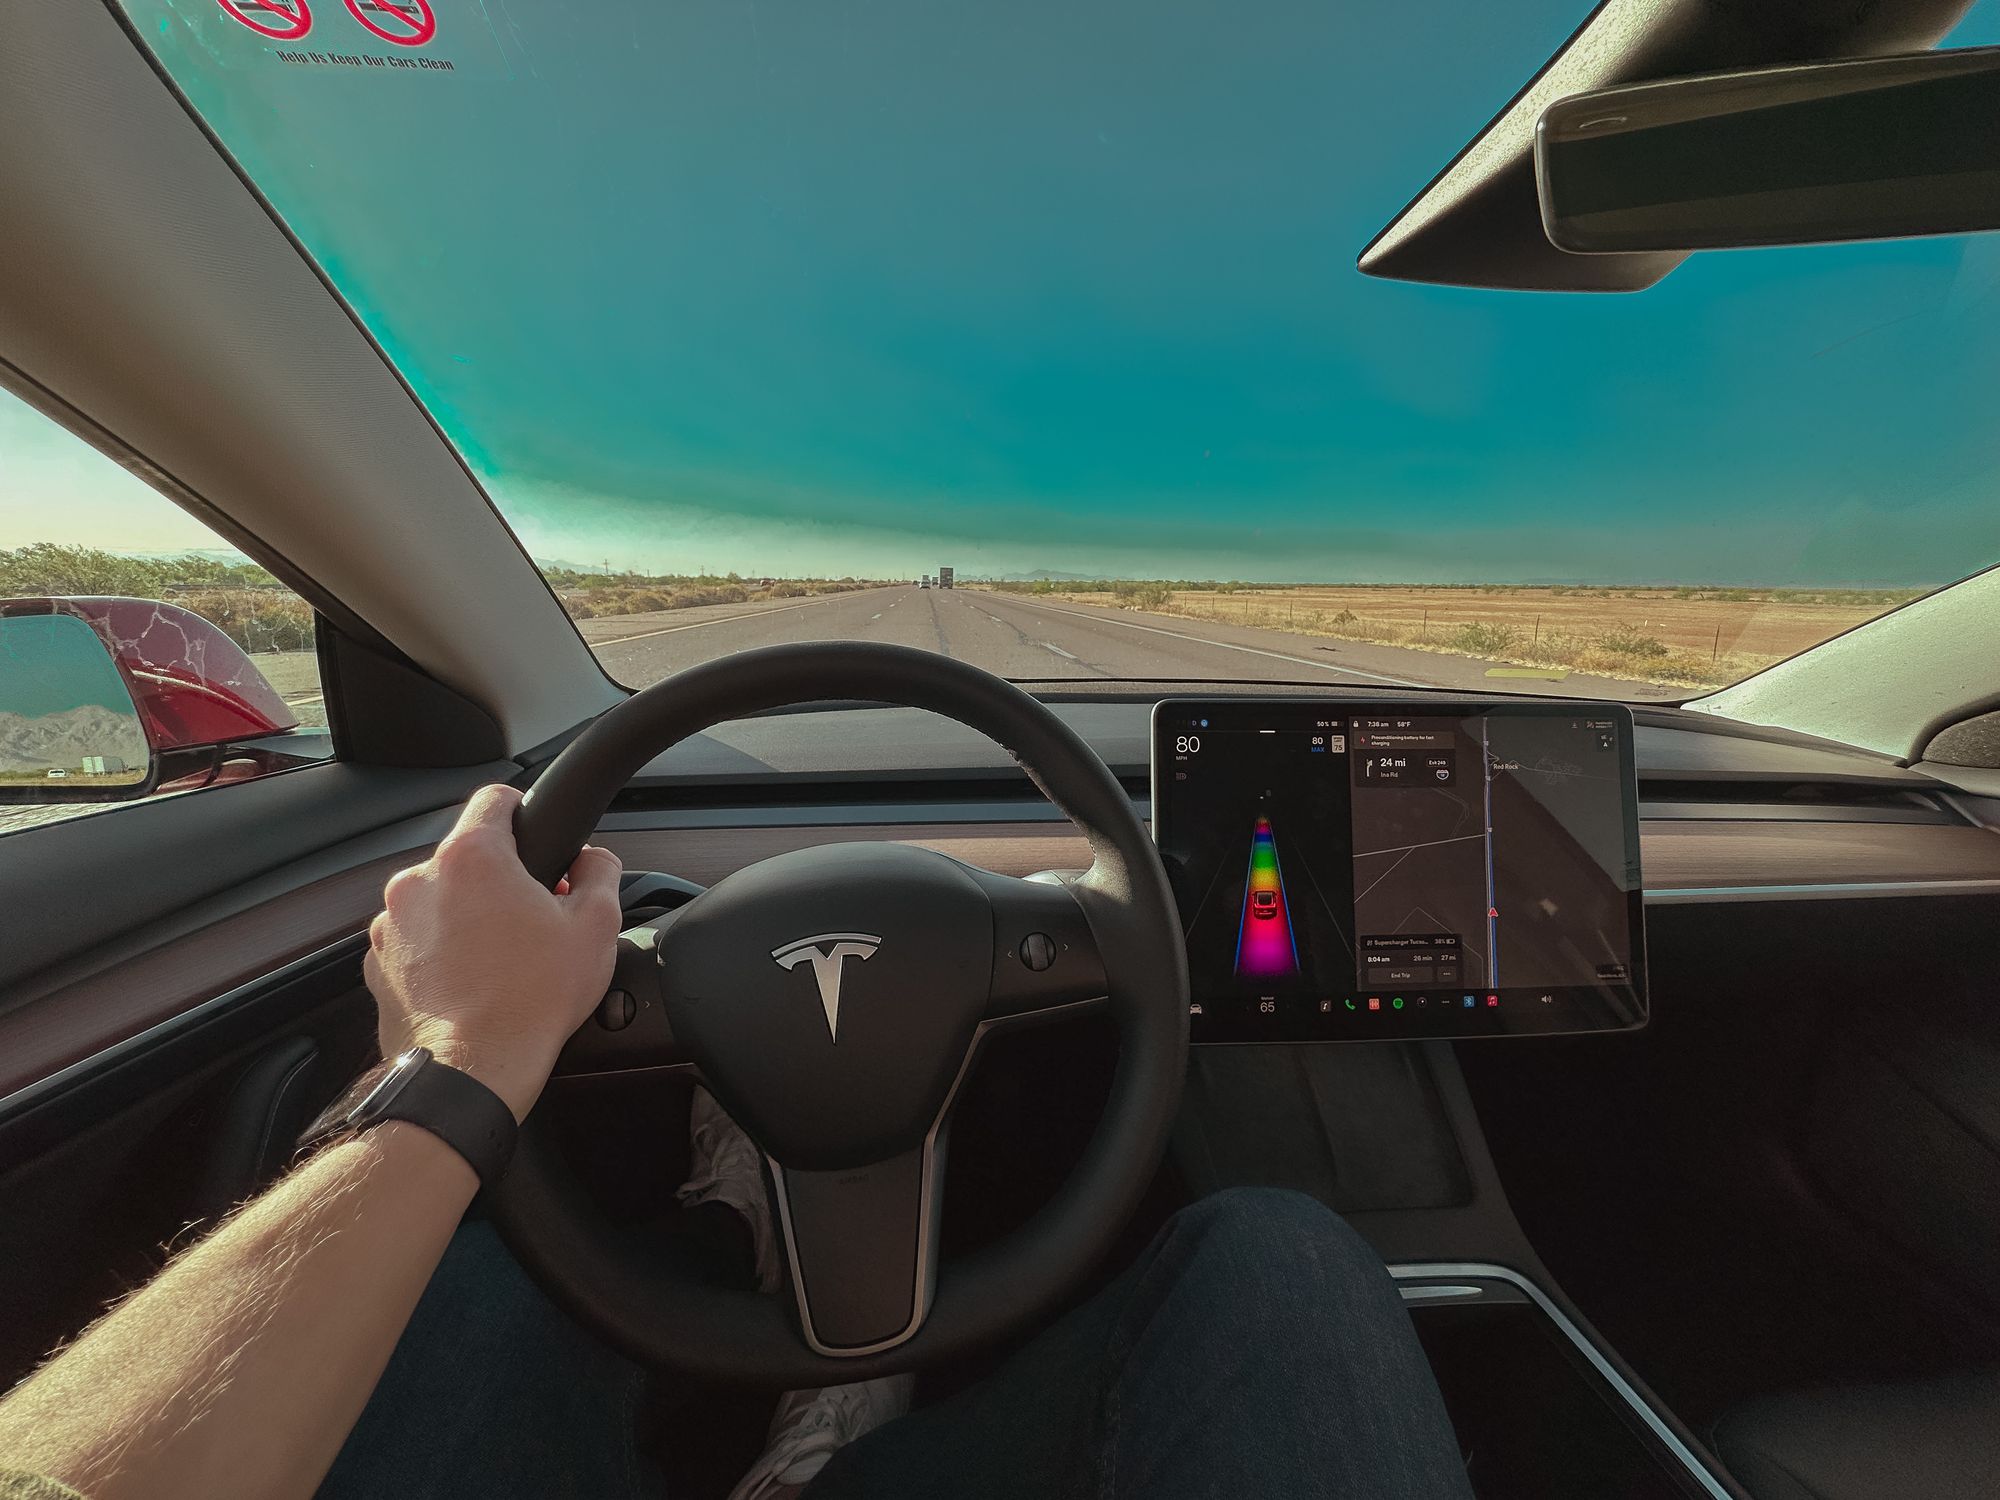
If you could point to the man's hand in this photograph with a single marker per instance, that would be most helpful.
(476, 961)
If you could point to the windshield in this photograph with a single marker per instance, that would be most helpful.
(1032, 334)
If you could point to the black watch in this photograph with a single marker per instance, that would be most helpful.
(455, 1107)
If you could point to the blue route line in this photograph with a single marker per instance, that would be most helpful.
(1492, 942)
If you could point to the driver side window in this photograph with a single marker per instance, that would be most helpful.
(219, 656)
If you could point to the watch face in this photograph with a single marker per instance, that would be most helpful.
(367, 1096)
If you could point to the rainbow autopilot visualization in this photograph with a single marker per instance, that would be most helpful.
(1265, 946)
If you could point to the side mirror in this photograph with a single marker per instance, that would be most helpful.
(1876, 148)
(69, 728)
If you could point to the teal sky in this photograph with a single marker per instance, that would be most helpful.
(869, 285)
(54, 663)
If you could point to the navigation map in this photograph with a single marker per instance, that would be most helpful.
(1480, 852)
(1423, 863)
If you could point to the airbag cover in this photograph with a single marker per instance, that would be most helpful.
(830, 995)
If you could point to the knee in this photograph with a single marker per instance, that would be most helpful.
(1259, 1216)
(1278, 1232)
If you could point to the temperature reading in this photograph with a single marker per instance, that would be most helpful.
(1187, 744)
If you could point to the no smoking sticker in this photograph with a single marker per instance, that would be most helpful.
(392, 38)
(281, 20)
(405, 23)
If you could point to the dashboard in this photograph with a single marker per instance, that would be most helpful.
(1357, 870)
(1765, 852)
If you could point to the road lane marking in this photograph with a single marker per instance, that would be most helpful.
(876, 616)
(1302, 661)
(1046, 646)
(748, 614)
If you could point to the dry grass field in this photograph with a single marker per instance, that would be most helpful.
(1681, 636)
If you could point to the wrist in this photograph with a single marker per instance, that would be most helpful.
(516, 1072)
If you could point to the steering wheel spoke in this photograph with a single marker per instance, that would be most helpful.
(862, 1245)
(1045, 957)
(630, 1028)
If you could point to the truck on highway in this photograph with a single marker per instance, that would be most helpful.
(944, 578)
(926, 583)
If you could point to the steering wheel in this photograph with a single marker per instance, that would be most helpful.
(833, 999)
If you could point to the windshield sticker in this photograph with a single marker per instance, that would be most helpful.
(404, 23)
(393, 38)
(282, 20)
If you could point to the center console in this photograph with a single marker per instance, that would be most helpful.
(1387, 1136)
(1411, 874)
(1539, 1410)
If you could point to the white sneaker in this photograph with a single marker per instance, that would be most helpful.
(809, 1427)
(725, 1166)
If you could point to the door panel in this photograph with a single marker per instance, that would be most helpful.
(104, 1170)
(153, 910)
(273, 1098)
(180, 988)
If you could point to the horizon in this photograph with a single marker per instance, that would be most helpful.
(220, 552)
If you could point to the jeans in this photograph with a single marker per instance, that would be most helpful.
(1257, 1347)
(493, 1392)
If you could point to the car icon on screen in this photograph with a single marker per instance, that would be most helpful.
(1263, 903)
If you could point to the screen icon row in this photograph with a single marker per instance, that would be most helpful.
(1272, 1006)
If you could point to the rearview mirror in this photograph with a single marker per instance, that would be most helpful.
(1877, 148)
(69, 730)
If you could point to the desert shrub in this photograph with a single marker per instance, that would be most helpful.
(689, 596)
(1554, 649)
(1628, 640)
(1480, 638)
(1346, 617)
(787, 588)
(1142, 595)
(256, 619)
(51, 568)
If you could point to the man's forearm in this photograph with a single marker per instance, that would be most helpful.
(241, 1369)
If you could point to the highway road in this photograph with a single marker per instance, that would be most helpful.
(1038, 640)
(1016, 635)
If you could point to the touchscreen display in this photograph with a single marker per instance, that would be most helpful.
(1351, 870)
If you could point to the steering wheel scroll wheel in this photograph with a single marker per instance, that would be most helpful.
(833, 998)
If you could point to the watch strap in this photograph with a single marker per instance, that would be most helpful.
(460, 1111)
(453, 1106)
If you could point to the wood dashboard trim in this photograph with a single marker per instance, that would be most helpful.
(67, 1025)
(52, 1031)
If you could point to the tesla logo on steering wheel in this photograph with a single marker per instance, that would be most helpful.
(827, 952)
